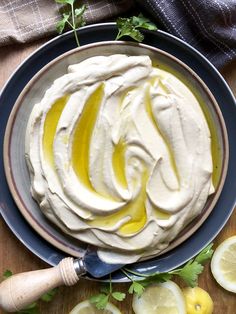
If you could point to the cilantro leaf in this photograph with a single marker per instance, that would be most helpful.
(31, 309)
(130, 27)
(62, 23)
(189, 273)
(80, 11)
(96, 298)
(47, 297)
(65, 1)
(156, 278)
(7, 274)
(100, 300)
(105, 289)
(126, 28)
(119, 296)
(137, 288)
(79, 19)
(72, 17)
(142, 22)
(205, 254)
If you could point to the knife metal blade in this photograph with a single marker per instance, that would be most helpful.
(92, 264)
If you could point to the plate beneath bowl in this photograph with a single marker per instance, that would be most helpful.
(205, 70)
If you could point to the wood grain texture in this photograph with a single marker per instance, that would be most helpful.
(14, 256)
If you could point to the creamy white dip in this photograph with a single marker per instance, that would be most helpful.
(119, 154)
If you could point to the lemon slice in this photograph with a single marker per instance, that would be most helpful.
(198, 301)
(163, 298)
(86, 307)
(223, 264)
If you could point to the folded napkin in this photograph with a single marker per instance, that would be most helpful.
(208, 25)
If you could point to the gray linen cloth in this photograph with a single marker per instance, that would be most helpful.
(26, 20)
(208, 25)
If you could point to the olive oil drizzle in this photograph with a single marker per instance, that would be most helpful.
(135, 210)
(50, 126)
(82, 137)
(118, 162)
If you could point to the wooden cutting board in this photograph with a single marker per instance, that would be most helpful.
(17, 258)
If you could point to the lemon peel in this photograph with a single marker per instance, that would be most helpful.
(198, 301)
(161, 298)
(86, 307)
(223, 264)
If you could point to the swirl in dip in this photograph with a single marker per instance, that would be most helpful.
(119, 154)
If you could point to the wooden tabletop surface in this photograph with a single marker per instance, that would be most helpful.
(17, 258)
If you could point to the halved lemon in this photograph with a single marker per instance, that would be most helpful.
(198, 301)
(223, 264)
(86, 307)
(163, 298)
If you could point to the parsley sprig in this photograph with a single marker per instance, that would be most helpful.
(100, 300)
(72, 17)
(131, 27)
(7, 274)
(188, 273)
(135, 287)
(33, 308)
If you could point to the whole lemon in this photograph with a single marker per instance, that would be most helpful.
(198, 301)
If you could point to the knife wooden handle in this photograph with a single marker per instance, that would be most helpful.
(20, 290)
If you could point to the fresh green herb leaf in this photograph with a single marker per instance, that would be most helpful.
(137, 288)
(100, 300)
(73, 18)
(130, 27)
(143, 22)
(31, 306)
(80, 11)
(96, 298)
(65, 1)
(189, 273)
(79, 18)
(7, 274)
(126, 28)
(205, 254)
(105, 289)
(31, 309)
(156, 278)
(47, 297)
(119, 296)
(62, 23)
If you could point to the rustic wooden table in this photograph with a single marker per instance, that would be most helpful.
(14, 256)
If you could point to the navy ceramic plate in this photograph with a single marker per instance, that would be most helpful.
(168, 43)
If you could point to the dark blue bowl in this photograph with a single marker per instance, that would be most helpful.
(103, 32)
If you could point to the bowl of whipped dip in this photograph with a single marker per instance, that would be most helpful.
(123, 147)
